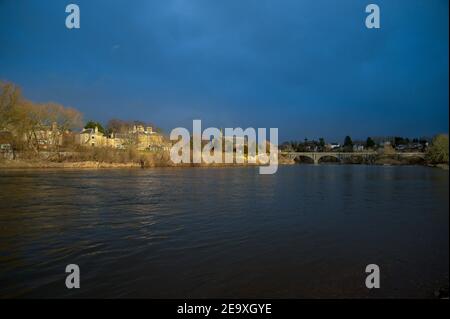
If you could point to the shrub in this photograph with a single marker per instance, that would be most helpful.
(438, 151)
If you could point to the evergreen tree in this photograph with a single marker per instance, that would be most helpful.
(93, 124)
(348, 144)
(370, 143)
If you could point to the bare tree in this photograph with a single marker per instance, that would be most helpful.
(29, 123)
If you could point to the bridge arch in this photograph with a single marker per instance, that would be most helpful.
(328, 158)
(304, 159)
(356, 158)
(352, 157)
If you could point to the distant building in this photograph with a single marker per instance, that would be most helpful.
(5, 145)
(401, 147)
(332, 146)
(91, 137)
(358, 147)
(143, 138)
(46, 137)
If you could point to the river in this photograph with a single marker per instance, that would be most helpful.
(306, 232)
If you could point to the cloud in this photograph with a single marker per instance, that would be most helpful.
(308, 67)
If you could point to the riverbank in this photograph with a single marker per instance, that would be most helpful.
(20, 164)
(42, 164)
(441, 166)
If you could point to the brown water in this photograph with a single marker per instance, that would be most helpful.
(307, 231)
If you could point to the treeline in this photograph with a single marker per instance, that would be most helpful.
(30, 126)
(348, 144)
(24, 123)
(320, 145)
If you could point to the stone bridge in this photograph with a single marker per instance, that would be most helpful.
(368, 156)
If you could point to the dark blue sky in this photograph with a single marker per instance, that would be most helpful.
(308, 67)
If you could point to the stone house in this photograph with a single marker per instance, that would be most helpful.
(138, 136)
(91, 137)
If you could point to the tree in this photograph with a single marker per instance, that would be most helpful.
(60, 120)
(438, 151)
(286, 147)
(117, 126)
(388, 149)
(29, 123)
(348, 144)
(93, 124)
(321, 142)
(15, 116)
(370, 143)
(122, 126)
(10, 100)
(66, 118)
(400, 140)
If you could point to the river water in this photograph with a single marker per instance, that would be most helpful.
(306, 232)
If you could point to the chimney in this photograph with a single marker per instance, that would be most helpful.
(96, 130)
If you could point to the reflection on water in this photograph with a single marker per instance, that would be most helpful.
(307, 231)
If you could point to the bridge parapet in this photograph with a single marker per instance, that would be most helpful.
(316, 156)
